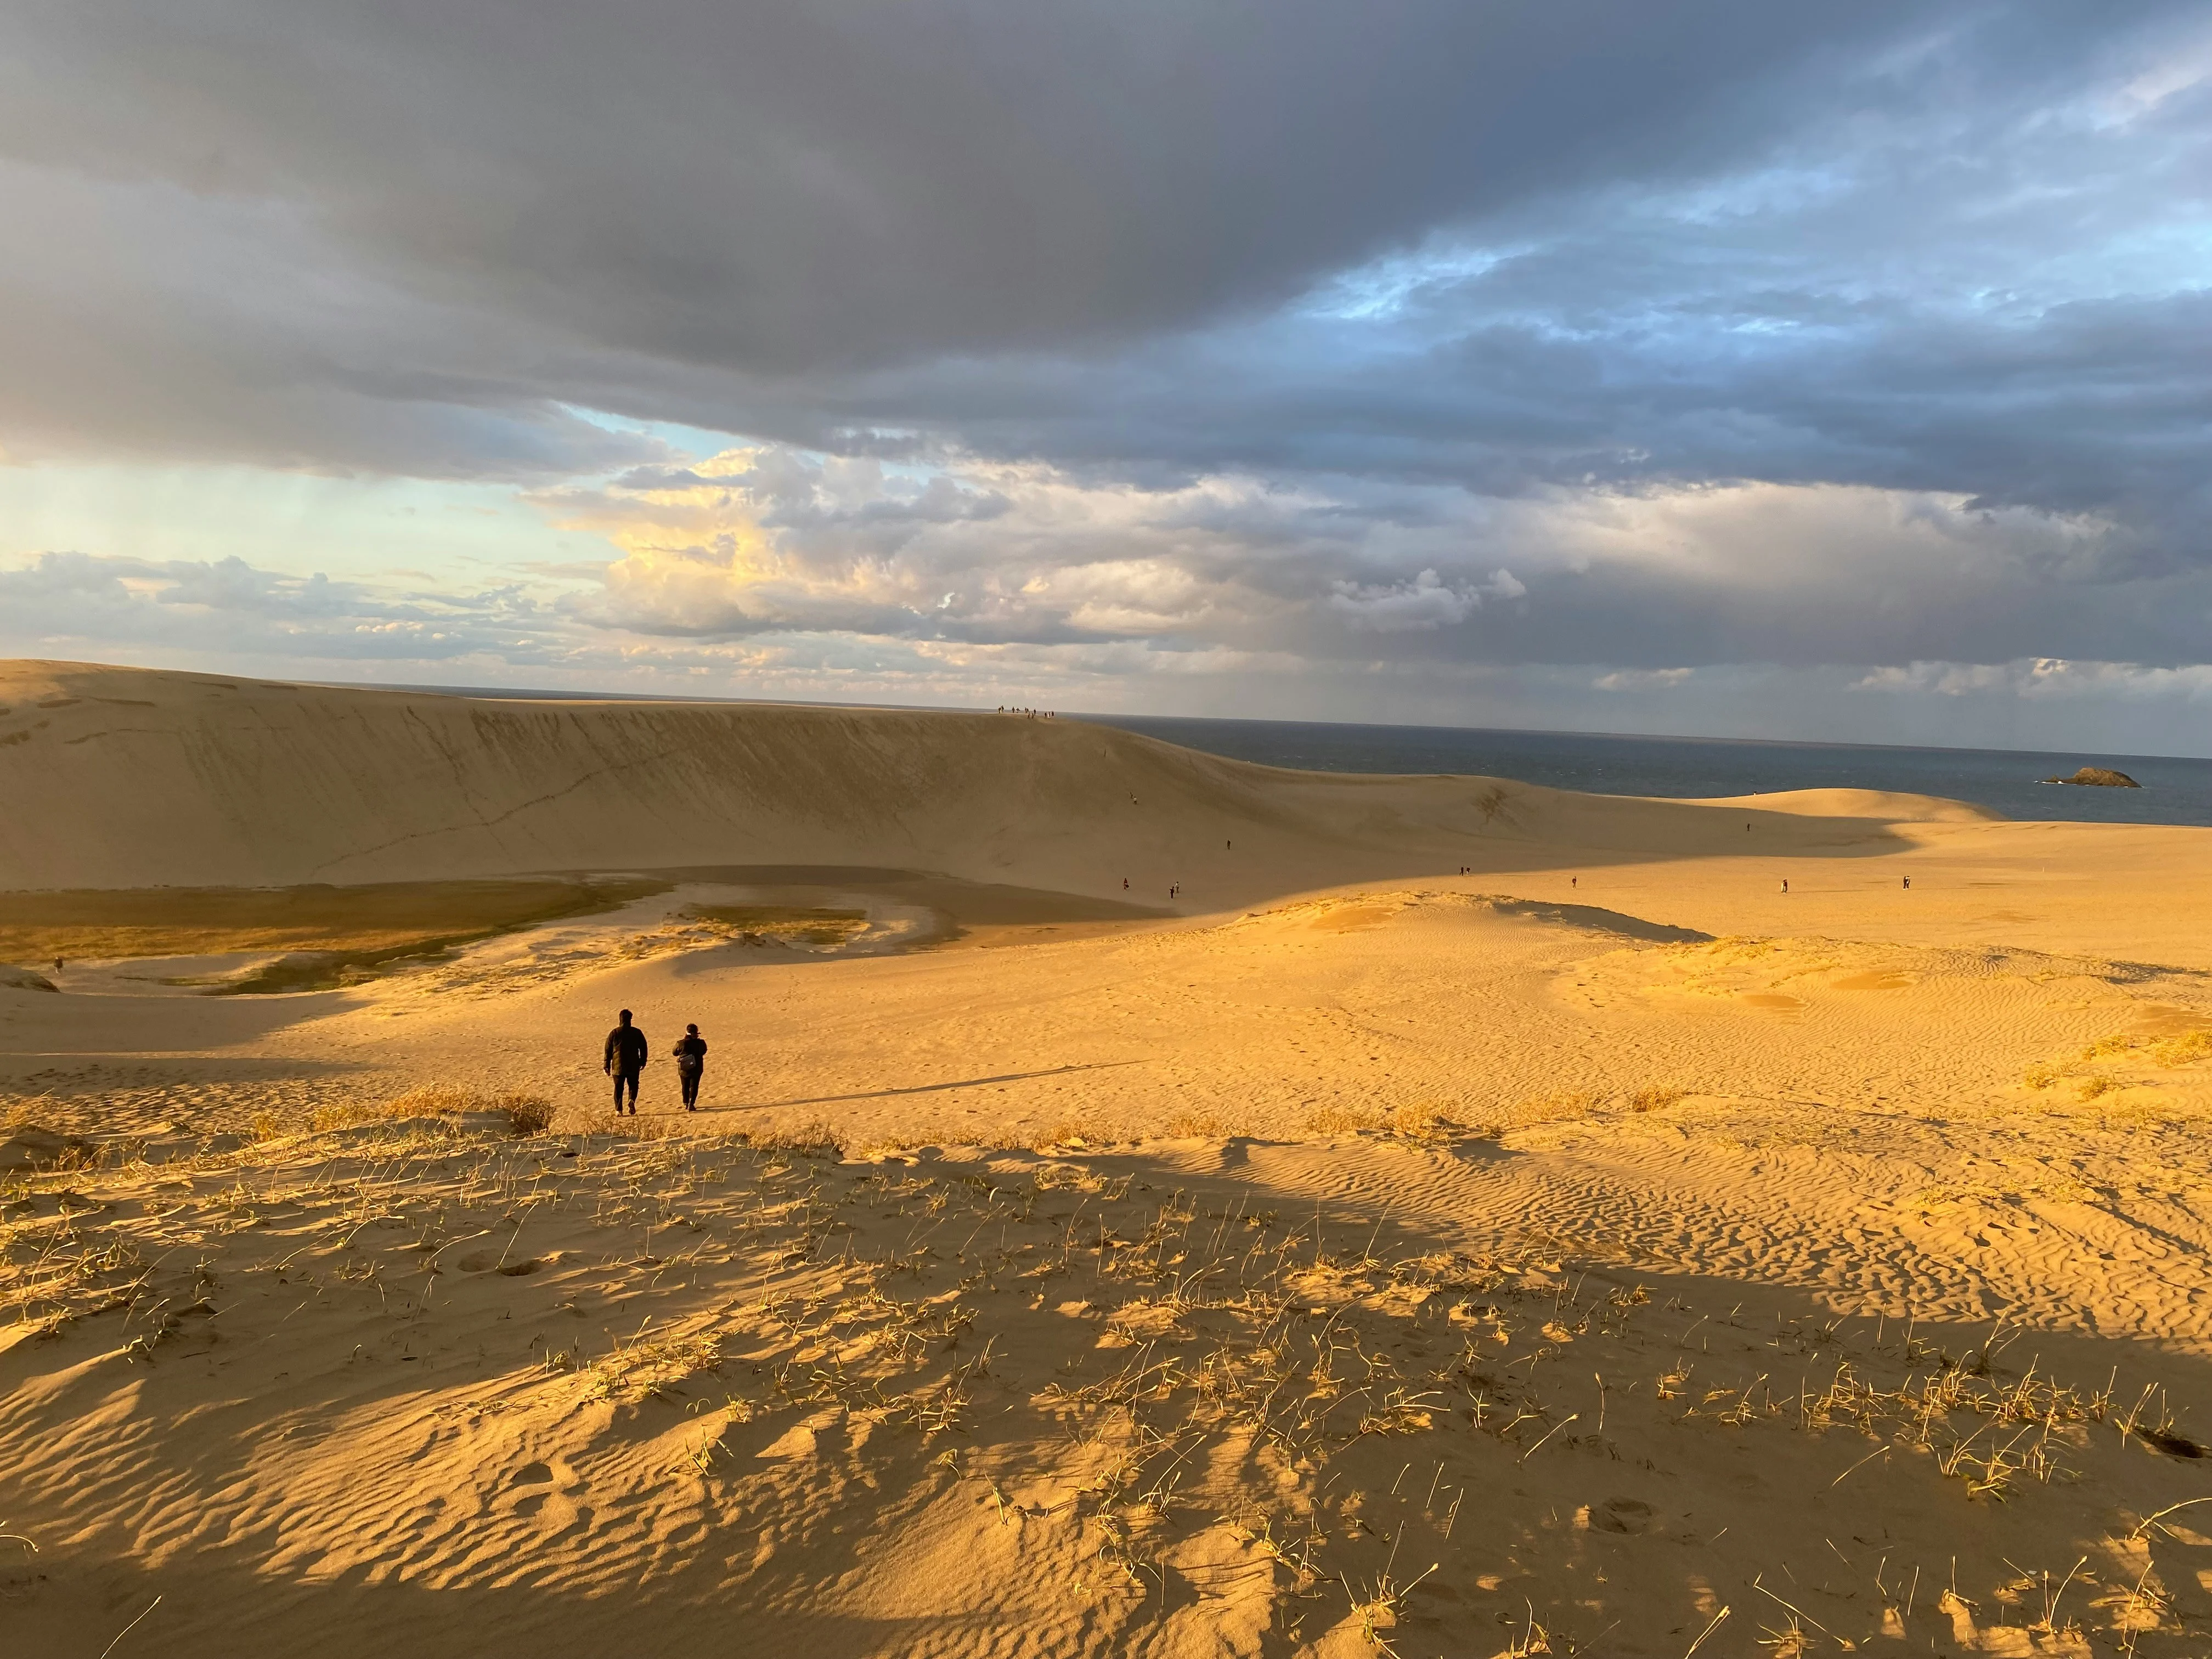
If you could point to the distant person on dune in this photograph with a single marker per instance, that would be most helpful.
(691, 1064)
(625, 1059)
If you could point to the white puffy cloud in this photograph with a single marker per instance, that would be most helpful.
(1422, 602)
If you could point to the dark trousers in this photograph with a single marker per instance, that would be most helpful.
(691, 1082)
(630, 1080)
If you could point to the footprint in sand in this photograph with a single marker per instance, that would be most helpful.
(532, 1474)
(545, 1490)
(520, 1266)
(1622, 1514)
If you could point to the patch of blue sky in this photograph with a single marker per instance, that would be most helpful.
(1384, 289)
(2174, 257)
(693, 443)
(690, 444)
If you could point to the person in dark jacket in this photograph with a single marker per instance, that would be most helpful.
(691, 1062)
(625, 1059)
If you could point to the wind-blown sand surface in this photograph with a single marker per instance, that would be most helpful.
(1467, 1218)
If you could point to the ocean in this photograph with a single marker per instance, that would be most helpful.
(2005, 781)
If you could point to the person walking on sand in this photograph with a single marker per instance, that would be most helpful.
(625, 1059)
(691, 1062)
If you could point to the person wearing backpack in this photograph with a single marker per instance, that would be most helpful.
(625, 1059)
(691, 1064)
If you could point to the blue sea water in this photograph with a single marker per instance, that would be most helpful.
(2005, 780)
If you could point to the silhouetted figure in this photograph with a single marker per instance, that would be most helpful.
(690, 1065)
(1574, 881)
(1908, 883)
(625, 1059)
(1786, 884)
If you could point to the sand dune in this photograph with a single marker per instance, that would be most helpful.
(143, 779)
(1879, 805)
(1472, 1220)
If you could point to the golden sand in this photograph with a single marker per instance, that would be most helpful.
(1604, 1252)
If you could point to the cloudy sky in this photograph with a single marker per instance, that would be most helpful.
(1822, 370)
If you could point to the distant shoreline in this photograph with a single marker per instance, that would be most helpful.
(2175, 789)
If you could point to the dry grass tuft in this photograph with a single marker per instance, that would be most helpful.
(1346, 1119)
(436, 1100)
(27, 1112)
(2184, 1051)
(1562, 1106)
(1416, 1123)
(1654, 1097)
(525, 1115)
(2157, 1054)
(655, 1365)
(1079, 1132)
(815, 1140)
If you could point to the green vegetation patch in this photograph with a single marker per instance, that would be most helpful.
(812, 926)
(331, 935)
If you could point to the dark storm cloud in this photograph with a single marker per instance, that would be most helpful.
(778, 185)
(1416, 276)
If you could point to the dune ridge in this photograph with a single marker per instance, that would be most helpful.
(141, 778)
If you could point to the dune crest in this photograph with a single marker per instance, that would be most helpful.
(144, 778)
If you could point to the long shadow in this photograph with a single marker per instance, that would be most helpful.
(924, 1088)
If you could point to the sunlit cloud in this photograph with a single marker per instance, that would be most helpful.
(1698, 364)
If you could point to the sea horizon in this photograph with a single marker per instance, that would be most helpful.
(2174, 788)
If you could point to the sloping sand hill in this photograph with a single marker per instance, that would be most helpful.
(1467, 1219)
(128, 779)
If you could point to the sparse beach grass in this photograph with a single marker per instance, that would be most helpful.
(1147, 1387)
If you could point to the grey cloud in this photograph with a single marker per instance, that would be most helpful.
(778, 185)
(1410, 278)
(458, 218)
(1413, 606)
